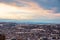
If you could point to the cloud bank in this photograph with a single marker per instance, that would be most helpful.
(29, 10)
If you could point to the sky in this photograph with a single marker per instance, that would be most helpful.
(44, 11)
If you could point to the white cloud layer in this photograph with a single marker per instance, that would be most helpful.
(32, 12)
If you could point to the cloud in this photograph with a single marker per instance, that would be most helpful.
(46, 4)
(31, 11)
(15, 12)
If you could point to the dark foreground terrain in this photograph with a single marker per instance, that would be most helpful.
(15, 31)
